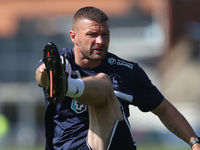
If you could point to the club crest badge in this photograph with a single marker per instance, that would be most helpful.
(116, 81)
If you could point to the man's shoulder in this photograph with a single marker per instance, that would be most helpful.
(66, 51)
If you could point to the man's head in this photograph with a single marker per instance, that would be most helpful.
(90, 13)
(90, 35)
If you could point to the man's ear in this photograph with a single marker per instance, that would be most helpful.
(73, 36)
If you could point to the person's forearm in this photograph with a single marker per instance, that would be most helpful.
(178, 125)
(175, 121)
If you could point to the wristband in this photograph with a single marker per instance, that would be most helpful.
(196, 140)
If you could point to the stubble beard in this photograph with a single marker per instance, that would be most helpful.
(89, 55)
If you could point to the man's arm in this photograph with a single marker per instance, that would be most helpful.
(176, 122)
(41, 75)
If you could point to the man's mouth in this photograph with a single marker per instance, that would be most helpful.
(99, 49)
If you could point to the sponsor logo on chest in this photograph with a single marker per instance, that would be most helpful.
(77, 107)
(120, 62)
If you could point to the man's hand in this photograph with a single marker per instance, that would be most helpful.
(41, 75)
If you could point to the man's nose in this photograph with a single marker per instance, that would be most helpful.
(99, 40)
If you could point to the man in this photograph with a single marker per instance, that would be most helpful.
(102, 84)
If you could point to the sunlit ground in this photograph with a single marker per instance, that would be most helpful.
(140, 147)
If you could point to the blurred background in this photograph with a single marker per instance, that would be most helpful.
(163, 36)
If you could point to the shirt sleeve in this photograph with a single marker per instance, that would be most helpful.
(39, 63)
(146, 95)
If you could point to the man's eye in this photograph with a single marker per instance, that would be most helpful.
(92, 34)
(106, 34)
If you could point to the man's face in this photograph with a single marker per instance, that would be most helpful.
(92, 39)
